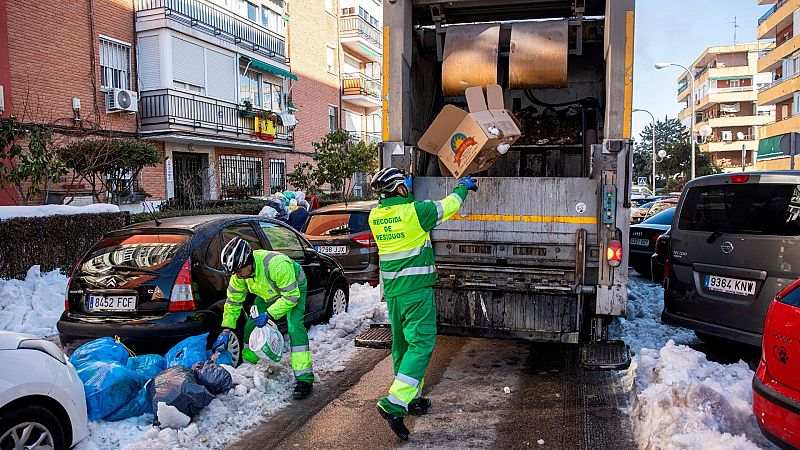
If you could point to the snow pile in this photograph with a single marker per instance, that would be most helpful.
(9, 212)
(258, 392)
(683, 401)
(32, 305)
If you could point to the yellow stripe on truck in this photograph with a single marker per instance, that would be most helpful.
(628, 93)
(521, 218)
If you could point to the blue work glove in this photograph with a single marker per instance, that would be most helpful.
(222, 341)
(261, 319)
(407, 182)
(470, 183)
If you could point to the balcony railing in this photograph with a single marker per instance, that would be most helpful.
(730, 89)
(368, 137)
(161, 109)
(770, 12)
(355, 23)
(778, 81)
(360, 84)
(220, 23)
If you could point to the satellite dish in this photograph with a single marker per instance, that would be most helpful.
(705, 131)
(739, 135)
(662, 153)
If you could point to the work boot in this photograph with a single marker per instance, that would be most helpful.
(419, 406)
(396, 424)
(302, 390)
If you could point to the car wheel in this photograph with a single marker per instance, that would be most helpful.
(338, 301)
(31, 427)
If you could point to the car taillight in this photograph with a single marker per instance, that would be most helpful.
(740, 178)
(787, 290)
(365, 240)
(614, 253)
(181, 298)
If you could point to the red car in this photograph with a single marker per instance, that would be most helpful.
(776, 386)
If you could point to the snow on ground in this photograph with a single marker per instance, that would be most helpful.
(32, 305)
(9, 212)
(683, 401)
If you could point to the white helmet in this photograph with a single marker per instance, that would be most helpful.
(236, 254)
(387, 180)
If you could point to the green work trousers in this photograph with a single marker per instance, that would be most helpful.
(298, 335)
(413, 320)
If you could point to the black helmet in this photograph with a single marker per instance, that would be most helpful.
(236, 254)
(387, 180)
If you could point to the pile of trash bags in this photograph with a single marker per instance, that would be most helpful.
(119, 386)
(281, 204)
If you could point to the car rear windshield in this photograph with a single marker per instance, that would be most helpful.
(145, 252)
(337, 224)
(772, 209)
(662, 218)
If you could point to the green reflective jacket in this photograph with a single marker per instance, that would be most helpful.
(401, 226)
(275, 275)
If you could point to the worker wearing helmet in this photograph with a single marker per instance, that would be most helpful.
(280, 288)
(401, 226)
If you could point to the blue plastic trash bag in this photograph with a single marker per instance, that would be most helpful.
(138, 405)
(213, 377)
(178, 387)
(108, 386)
(222, 357)
(147, 365)
(105, 349)
(187, 352)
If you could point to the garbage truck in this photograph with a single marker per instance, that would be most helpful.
(540, 251)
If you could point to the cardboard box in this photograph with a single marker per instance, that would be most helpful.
(466, 142)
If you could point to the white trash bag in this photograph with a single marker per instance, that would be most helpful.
(268, 212)
(266, 341)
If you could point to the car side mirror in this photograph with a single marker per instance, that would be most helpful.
(310, 253)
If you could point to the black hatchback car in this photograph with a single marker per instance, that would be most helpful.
(643, 239)
(156, 283)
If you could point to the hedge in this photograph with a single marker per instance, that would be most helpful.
(52, 242)
(212, 207)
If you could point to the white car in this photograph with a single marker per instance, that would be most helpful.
(42, 404)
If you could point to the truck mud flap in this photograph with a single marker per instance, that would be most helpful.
(605, 355)
(378, 336)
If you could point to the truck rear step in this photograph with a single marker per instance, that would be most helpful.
(605, 355)
(378, 336)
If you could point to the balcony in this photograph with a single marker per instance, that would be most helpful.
(215, 22)
(361, 90)
(776, 19)
(366, 136)
(770, 12)
(774, 57)
(737, 121)
(779, 90)
(169, 110)
(360, 36)
(717, 145)
(779, 128)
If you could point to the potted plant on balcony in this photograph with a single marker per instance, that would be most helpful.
(246, 109)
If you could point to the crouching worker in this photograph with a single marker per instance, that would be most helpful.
(279, 285)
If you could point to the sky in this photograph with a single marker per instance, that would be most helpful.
(678, 31)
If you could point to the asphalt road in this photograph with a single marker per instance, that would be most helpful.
(550, 403)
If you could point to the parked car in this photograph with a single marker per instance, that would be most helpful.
(733, 245)
(156, 283)
(342, 232)
(660, 257)
(643, 238)
(42, 404)
(643, 191)
(649, 210)
(776, 384)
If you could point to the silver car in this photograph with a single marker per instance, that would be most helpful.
(734, 244)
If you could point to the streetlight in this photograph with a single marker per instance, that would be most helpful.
(691, 100)
(654, 144)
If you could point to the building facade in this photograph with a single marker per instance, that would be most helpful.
(781, 25)
(726, 82)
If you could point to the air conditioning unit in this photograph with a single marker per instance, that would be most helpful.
(121, 100)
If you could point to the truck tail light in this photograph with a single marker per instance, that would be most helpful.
(740, 178)
(614, 253)
(182, 298)
(365, 240)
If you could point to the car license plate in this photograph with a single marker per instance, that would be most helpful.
(332, 249)
(111, 303)
(640, 242)
(730, 285)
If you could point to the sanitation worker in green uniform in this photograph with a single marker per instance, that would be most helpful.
(280, 287)
(401, 226)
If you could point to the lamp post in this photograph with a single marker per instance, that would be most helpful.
(691, 100)
(653, 129)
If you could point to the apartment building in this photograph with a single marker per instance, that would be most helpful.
(214, 84)
(60, 76)
(726, 82)
(781, 24)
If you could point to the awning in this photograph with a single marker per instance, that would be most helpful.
(770, 147)
(268, 68)
(366, 50)
(737, 77)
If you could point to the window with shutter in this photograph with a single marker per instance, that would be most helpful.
(115, 64)
(149, 53)
(221, 76)
(188, 62)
